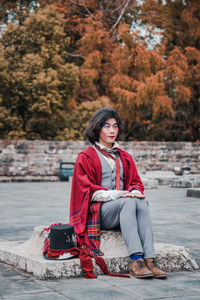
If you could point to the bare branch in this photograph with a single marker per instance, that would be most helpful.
(83, 5)
(77, 11)
(75, 55)
(126, 6)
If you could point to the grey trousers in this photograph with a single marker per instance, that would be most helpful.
(133, 216)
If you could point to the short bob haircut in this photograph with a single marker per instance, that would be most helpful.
(98, 120)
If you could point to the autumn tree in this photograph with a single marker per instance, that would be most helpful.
(38, 84)
(126, 72)
(143, 85)
(92, 26)
(138, 88)
(113, 12)
(179, 24)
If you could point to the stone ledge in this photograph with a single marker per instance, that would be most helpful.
(27, 256)
(29, 178)
(194, 192)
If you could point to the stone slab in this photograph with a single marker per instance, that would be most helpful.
(150, 183)
(169, 178)
(194, 192)
(28, 256)
(162, 177)
(186, 181)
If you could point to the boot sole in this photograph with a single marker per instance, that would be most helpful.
(160, 276)
(141, 276)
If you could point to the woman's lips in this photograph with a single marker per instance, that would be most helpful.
(112, 136)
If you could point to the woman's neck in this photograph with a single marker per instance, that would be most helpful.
(108, 147)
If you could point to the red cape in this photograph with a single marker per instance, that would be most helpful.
(85, 216)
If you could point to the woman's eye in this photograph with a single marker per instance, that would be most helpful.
(106, 125)
(115, 126)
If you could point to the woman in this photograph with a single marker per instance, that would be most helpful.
(107, 192)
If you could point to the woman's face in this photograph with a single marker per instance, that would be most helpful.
(109, 133)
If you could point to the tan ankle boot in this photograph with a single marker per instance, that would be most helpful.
(139, 270)
(151, 265)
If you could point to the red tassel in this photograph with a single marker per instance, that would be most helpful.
(86, 264)
(102, 265)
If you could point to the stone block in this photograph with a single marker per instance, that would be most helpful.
(150, 183)
(162, 177)
(28, 256)
(186, 181)
(181, 183)
(193, 192)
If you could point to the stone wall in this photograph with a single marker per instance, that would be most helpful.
(40, 159)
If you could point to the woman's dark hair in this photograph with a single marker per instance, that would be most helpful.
(98, 120)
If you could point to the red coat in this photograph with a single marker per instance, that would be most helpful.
(85, 216)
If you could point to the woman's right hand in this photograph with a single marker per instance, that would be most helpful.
(133, 194)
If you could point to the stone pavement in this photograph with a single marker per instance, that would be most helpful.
(175, 219)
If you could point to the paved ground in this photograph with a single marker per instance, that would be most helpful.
(175, 217)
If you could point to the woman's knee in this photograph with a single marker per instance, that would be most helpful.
(142, 205)
(128, 202)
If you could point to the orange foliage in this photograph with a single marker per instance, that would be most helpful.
(192, 55)
(178, 59)
(162, 106)
(183, 94)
